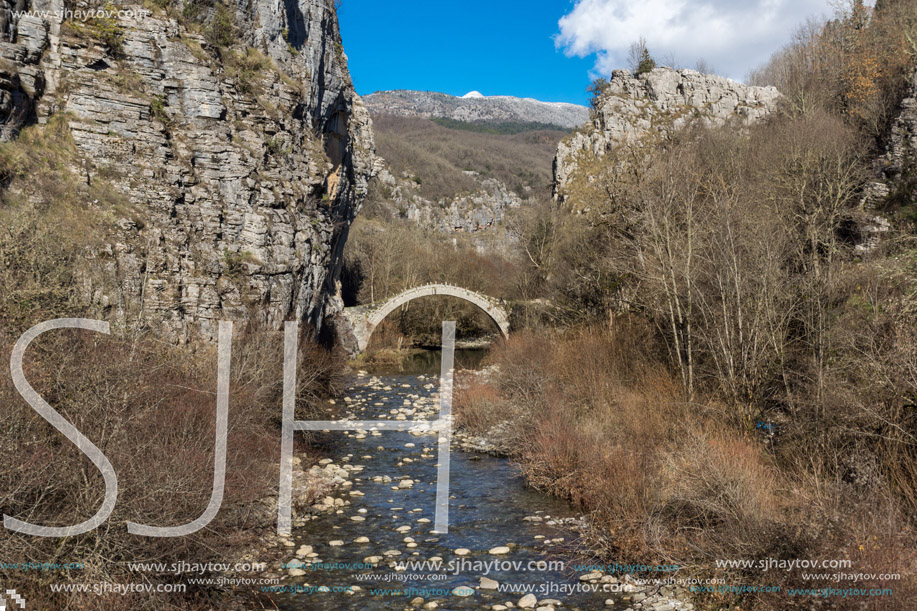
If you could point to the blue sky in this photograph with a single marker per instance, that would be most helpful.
(551, 50)
(495, 47)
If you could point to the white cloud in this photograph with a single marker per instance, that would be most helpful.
(734, 36)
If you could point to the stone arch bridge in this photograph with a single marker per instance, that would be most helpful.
(356, 324)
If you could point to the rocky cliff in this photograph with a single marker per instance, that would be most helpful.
(902, 147)
(233, 134)
(634, 109)
(469, 212)
(476, 108)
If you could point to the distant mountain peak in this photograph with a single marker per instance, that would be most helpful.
(474, 107)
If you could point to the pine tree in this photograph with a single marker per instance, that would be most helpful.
(647, 63)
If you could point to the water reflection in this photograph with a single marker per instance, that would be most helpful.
(420, 362)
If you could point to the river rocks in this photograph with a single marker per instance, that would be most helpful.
(361, 540)
(304, 551)
(462, 551)
(463, 591)
(499, 551)
(489, 584)
(527, 602)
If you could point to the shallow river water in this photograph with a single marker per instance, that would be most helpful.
(490, 507)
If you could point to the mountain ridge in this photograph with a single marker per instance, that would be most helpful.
(475, 108)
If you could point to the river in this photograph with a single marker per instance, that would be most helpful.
(388, 521)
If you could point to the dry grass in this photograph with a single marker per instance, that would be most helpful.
(478, 413)
(151, 409)
(598, 421)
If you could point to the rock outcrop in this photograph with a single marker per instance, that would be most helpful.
(635, 109)
(895, 182)
(461, 213)
(23, 39)
(902, 146)
(476, 108)
(241, 163)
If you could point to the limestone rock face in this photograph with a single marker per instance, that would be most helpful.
(902, 149)
(241, 168)
(22, 41)
(462, 213)
(655, 104)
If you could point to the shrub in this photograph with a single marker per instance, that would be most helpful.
(647, 63)
(246, 68)
(221, 30)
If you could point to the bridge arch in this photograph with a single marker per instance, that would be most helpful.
(363, 320)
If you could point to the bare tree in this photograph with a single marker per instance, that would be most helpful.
(704, 67)
(639, 59)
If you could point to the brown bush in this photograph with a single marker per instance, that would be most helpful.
(478, 412)
(597, 419)
(151, 409)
